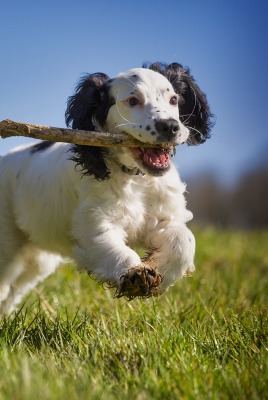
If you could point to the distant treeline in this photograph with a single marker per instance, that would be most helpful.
(244, 205)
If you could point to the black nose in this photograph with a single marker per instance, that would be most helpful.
(167, 128)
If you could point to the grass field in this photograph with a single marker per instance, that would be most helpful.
(207, 338)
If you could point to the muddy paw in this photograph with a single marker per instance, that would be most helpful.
(139, 282)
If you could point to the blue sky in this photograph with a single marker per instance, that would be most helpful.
(46, 46)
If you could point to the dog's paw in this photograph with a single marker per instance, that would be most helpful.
(140, 281)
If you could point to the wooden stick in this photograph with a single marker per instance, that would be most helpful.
(10, 128)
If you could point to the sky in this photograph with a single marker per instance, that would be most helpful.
(45, 47)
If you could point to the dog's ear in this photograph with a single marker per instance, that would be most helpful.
(87, 109)
(89, 103)
(194, 109)
(193, 106)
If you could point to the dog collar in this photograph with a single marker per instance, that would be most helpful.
(129, 171)
(132, 171)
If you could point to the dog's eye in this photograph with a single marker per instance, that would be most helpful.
(173, 101)
(133, 101)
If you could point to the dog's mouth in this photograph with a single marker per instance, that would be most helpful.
(155, 160)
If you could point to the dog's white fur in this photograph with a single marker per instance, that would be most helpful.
(50, 212)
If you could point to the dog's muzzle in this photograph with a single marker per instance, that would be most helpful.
(167, 129)
(155, 161)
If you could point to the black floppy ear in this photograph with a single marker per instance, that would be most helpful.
(193, 106)
(87, 109)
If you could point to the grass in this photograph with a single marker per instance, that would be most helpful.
(207, 338)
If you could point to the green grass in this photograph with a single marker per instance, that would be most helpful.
(207, 338)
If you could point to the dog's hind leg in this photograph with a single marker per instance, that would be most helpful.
(12, 242)
(29, 268)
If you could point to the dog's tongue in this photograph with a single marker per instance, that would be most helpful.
(156, 157)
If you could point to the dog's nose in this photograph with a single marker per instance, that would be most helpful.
(167, 127)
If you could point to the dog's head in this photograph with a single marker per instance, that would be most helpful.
(155, 104)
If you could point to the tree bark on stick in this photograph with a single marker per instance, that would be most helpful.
(10, 128)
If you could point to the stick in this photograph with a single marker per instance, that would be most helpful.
(10, 128)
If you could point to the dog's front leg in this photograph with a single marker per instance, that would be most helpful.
(103, 252)
(173, 250)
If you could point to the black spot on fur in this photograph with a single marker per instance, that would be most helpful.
(148, 127)
(41, 146)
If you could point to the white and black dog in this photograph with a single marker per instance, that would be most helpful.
(95, 204)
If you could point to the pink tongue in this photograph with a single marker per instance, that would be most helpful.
(156, 156)
(163, 158)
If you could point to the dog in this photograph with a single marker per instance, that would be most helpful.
(95, 205)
